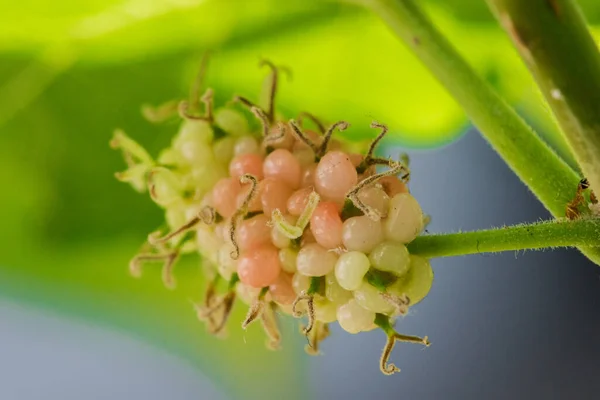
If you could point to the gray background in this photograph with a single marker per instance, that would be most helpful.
(509, 326)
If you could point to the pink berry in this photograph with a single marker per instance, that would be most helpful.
(253, 232)
(282, 165)
(298, 200)
(362, 234)
(282, 290)
(326, 225)
(335, 176)
(274, 194)
(393, 186)
(246, 164)
(259, 267)
(225, 194)
(315, 260)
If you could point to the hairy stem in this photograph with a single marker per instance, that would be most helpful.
(534, 162)
(553, 40)
(555, 233)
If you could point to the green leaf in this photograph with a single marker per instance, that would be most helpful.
(352, 68)
(91, 282)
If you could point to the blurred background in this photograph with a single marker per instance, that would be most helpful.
(75, 325)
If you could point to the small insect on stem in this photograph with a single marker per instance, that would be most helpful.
(241, 212)
(315, 120)
(383, 322)
(395, 169)
(572, 210)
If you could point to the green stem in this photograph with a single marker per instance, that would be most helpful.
(555, 233)
(549, 177)
(534, 162)
(553, 40)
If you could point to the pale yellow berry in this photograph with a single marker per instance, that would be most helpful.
(390, 257)
(226, 265)
(232, 122)
(314, 260)
(208, 243)
(287, 258)
(248, 294)
(375, 198)
(223, 150)
(194, 130)
(169, 156)
(350, 269)
(369, 297)
(205, 177)
(405, 218)
(353, 318)
(361, 233)
(175, 216)
(193, 143)
(325, 310)
(279, 239)
(417, 281)
(246, 145)
(165, 186)
(300, 282)
(334, 292)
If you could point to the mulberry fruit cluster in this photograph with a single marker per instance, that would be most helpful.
(294, 220)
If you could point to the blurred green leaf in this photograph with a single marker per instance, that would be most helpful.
(71, 72)
(84, 281)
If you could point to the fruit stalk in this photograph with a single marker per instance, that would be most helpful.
(534, 162)
(554, 233)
